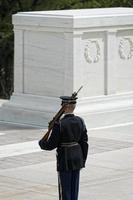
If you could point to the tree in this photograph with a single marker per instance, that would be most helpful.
(7, 8)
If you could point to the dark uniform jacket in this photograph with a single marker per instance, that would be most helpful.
(69, 136)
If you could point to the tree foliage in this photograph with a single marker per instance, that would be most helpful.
(9, 7)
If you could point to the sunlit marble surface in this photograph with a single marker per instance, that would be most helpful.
(58, 51)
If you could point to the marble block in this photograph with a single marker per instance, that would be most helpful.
(58, 51)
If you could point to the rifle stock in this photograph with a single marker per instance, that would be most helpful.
(55, 118)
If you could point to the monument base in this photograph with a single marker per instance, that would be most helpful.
(112, 110)
(97, 112)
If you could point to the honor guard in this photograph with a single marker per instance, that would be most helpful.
(69, 137)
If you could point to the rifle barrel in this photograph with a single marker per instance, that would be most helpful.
(79, 89)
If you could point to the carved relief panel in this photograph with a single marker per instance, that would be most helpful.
(126, 48)
(93, 62)
(124, 70)
(92, 51)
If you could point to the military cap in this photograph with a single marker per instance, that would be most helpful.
(68, 99)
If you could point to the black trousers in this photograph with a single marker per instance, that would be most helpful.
(68, 184)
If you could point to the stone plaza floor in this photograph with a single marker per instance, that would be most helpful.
(27, 173)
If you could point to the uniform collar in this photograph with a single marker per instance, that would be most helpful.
(68, 115)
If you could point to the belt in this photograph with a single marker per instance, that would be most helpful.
(69, 144)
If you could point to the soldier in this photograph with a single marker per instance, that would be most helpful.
(69, 136)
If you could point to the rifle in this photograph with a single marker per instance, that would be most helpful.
(58, 116)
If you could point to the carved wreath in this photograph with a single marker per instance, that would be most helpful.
(92, 51)
(126, 48)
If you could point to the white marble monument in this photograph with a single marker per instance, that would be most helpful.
(58, 51)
